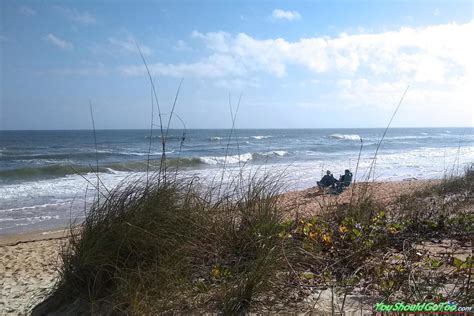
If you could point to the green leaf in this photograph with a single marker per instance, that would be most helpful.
(435, 264)
(457, 262)
(307, 275)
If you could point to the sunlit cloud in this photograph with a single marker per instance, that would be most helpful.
(368, 69)
(181, 46)
(431, 54)
(279, 14)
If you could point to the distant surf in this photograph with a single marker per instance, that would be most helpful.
(345, 137)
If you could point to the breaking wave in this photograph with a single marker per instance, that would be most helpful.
(345, 137)
(61, 170)
(261, 136)
(233, 159)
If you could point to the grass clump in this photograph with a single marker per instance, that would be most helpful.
(172, 245)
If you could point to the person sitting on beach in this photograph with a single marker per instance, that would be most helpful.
(344, 181)
(346, 178)
(327, 181)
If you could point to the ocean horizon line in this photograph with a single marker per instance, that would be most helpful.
(244, 128)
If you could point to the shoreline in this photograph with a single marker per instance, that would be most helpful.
(308, 197)
(34, 236)
(24, 234)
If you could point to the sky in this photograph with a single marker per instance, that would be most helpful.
(292, 64)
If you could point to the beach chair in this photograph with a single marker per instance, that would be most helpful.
(344, 182)
(347, 179)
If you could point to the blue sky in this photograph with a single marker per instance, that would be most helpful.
(298, 64)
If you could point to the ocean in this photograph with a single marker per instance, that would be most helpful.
(42, 173)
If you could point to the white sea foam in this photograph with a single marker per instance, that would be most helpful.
(279, 153)
(34, 207)
(33, 219)
(422, 136)
(261, 136)
(153, 153)
(6, 219)
(218, 160)
(234, 159)
(36, 219)
(345, 137)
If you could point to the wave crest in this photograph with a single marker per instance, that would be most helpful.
(219, 160)
(345, 136)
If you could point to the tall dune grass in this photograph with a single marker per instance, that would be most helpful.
(169, 244)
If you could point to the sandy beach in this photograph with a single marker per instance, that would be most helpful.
(311, 201)
(28, 269)
(29, 261)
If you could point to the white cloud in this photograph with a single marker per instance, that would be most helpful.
(362, 92)
(26, 11)
(215, 66)
(181, 46)
(279, 14)
(435, 60)
(84, 18)
(447, 104)
(429, 54)
(128, 45)
(58, 42)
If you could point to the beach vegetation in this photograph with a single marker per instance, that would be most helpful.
(177, 246)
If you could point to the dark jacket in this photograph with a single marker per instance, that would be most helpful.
(328, 180)
(346, 179)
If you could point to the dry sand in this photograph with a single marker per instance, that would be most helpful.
(312, 200)
(27, 269)
(28, 266)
